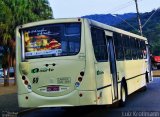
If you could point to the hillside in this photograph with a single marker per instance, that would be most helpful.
(151, 30)
(109, 18)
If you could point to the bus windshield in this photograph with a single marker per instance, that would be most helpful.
(51, 40)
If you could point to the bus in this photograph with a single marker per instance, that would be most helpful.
(78, 62)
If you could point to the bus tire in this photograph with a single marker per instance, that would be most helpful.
(147, 77)
(122, 101)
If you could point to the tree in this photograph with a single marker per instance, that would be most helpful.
(5, 23)
(14, 13)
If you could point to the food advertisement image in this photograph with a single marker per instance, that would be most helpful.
(41, 45)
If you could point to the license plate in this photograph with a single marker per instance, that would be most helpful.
(52, 88)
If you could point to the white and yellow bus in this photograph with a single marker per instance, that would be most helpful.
(77, 62)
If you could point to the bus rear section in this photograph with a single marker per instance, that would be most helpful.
(51, 64)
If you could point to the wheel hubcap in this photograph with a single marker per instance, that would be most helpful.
(123, 95)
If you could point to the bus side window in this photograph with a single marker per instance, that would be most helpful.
(137, 48)
(143, 49)
(118, 42)
(134, 50)
(99, 44)
(127, 48)
(130, 48)
(140, 54)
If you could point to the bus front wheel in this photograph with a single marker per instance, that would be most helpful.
(122, 101)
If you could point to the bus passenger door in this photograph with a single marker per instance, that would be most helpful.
(149, 63)
(112, 61)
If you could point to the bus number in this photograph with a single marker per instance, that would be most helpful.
(35, 80)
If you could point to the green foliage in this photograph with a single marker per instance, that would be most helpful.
(17, 12)
(14, 13)
(5, 22)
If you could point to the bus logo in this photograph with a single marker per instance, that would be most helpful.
(36, 70)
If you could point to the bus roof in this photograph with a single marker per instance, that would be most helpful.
(111, 28)
(92, 22)
(49, 21)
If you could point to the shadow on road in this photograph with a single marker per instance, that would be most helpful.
(58, 112)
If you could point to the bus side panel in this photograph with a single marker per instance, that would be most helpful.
(93, 80)
(104, 96)
(134, 73)
(142, 78)
(104, 83)
(88, 85)
(88, 82)
(120, 75)
(87, 98)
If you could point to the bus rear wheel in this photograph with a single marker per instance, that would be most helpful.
(122, 101)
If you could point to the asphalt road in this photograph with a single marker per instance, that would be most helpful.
(139, 104)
